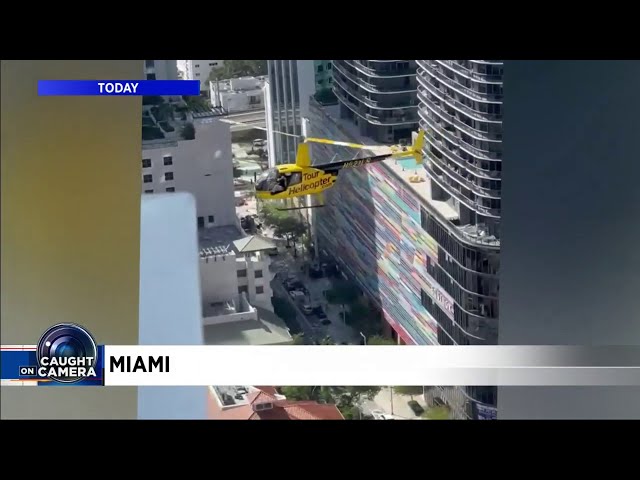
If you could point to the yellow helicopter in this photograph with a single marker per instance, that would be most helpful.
(303, 178)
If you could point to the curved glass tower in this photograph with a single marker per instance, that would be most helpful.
(379, 96)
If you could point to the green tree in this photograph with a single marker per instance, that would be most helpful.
(380, 340)
(196, 102)
(404, 390)
(327, 341)
(239, 68)
(299, 393)
(188, 131)
(342, 293)
(285, 225)
(364, 319)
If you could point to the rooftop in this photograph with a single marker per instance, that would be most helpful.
(163, 121)
(263, 403)
(240, 84)
(218, 240)
(229, 239)
(415, 177)
(253, 243)
(268, 329)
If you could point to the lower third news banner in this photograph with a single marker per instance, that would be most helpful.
(68, 355)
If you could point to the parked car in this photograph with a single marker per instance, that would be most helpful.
(320, 314)
(326, 321)
(307, 309)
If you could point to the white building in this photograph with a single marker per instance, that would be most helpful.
(161, 69)
(238, 94)
(232, 264)
(199, 70)
(202, 166)
(235, 281)
(291, 83)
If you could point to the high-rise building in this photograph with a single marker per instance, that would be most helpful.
(379, 96)
(199, 70)
(200, 164)
(461, 110)
(423, 241)
(290, 85)
(284, 108)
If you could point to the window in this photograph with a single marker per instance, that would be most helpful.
(197, 74)
(200, 222)
(197, 66)
(147, 178)
(146, 163)
(321, 82)
(171, 189)
(150, 63)
(320, 68)
(242, 273)
(148, 191)
(329, 66)
(168, 176)
(213, 64)
(210, 218)
(243, 289)
(258, 273)
(168, 160)
(151, 76)
(295, 179)
(259, 290)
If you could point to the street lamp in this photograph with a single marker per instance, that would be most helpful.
(363, 337)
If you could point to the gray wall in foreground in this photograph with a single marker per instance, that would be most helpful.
(570, 267)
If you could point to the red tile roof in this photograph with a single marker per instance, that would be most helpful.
(282, 409)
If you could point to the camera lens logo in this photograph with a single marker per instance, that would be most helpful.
(67, 353)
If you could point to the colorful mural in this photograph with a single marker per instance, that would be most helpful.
(373, 225)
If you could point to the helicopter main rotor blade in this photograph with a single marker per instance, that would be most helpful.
(341, 144)
(244, 124)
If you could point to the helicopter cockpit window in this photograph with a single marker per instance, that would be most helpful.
(295, 178)
(268, 180)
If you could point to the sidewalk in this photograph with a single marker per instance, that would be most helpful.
(397, 406)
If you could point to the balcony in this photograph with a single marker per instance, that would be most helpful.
(370, 87)
(454, 155)
(424, 80)
(380, 73)
(382, 105)
(465, 182)
(471, 204)
(389, 120)
(461, 89)
(470, 74)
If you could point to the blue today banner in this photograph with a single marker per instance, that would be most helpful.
(104, 88)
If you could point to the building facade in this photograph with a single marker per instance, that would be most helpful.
(201, 166)
(161, 69)
(199, 70)
(414, 247)
(241, 94)
(379, 96)
(284, 110)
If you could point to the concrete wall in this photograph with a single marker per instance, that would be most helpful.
(251, 264)
(218, 278)
(170, 306)
(70, 241)
(202, 167)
